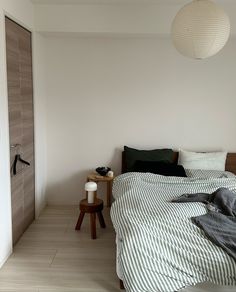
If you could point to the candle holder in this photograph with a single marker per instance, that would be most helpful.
(91, 192)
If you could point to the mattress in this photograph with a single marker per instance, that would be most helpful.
(143, 200)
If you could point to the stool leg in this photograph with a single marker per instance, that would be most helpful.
(93, 225)
(109, 193)
(80, 220)
(101, 220)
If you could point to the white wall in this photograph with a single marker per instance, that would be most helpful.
(107, 19)
(104, 93)
(133, 18)
(21, 11)
(40, 121)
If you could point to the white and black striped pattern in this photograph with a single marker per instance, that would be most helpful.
(160, 249)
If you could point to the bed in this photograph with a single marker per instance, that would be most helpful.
(155, 253)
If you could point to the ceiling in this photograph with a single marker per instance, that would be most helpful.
(103, 1)
(54, 2)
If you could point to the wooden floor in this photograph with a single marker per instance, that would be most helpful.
(51, 256)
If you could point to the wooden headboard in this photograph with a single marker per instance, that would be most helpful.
(230, 162)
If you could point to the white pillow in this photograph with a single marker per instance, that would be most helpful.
(206, 161)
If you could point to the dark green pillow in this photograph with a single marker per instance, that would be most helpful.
(132, 155)
(160, 167)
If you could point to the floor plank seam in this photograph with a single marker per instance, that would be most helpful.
(53, 257)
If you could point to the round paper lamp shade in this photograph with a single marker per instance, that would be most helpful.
(200, 29)
(90, 186)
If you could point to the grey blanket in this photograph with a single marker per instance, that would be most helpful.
(219, 224)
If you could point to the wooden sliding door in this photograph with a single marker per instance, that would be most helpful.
(21, 125)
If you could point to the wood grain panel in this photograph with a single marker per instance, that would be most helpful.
(21, 124)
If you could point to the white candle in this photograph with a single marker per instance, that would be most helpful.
(90, 197)
(110, 173)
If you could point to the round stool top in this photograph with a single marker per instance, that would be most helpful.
(97, 206)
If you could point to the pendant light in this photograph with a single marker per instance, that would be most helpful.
(200, 29)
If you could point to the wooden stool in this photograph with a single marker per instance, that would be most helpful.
(92, 209)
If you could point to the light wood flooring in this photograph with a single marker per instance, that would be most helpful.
(51, 256)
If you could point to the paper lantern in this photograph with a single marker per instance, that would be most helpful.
(200, 29)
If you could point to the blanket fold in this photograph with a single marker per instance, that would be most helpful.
(219, 224)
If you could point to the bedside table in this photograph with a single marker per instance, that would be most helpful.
(108, 180)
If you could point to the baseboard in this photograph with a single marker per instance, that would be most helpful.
(62, 203)
(39, 209)
(5, 259)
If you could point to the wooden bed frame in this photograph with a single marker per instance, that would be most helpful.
(230, 166)
(230, 162)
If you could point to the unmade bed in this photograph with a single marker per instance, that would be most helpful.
(158, 247)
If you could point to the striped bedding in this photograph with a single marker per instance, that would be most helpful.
(160, 249)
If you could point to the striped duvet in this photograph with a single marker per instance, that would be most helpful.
(160, 249)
